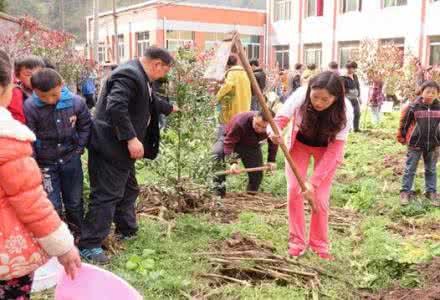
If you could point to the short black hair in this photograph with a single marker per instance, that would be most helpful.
(263, 116)
(232, 60)
(298, 66)
(48, 63)
(254, 62)
(351, 64)
(333, 65)
(159, 53)
(311, 67)
(5, 69)
(28, 62)
(429, 84)
(46, 79)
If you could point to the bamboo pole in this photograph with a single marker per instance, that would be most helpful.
(237, 42)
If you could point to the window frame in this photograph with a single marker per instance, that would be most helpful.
(351, 46)
(432, 44)
(142, 44)
(282, 10)
(316, 49)
(211, 43)
(316, 12)
(344, 6)
(395, 3)
(121, 46)
(102, 52)
(181, 42)
(252, 46)
(284, 50)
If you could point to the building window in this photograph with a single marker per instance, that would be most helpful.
(351, 5)
(101, 53)
(121, 46)
(282, 10)
(313, 54)
(177, 39)
(213, 39)
(389, 3)
(282, 57)
(434, 51)
(348, 51)
(314, 8)
(252, 45)
(143, 42)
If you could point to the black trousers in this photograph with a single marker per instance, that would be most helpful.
(357, 113)
(252, 157)
(90, 100)
(18, 288)
(113, 194)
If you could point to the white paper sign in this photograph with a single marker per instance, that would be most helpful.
(216, 68)
(387, 107)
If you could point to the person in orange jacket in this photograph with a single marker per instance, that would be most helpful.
(30, 229)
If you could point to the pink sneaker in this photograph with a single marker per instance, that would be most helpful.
(296, 252)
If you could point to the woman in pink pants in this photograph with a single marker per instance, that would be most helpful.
(322, 118)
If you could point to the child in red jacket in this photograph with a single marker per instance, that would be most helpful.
(24, 68)
(30, 229)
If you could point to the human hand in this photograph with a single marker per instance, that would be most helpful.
(276, 139)
(71, 262)
(309, 195)
(272, 166)
(135, 148)
(175, 109)
(235, 169)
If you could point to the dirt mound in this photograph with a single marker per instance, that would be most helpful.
(249, 262)
(395, 163)
(429, 291)
(406, 227)
(380, 134)
(184, 198)
(236, 203)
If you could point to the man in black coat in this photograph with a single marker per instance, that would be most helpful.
(126, 128)
(261, 79)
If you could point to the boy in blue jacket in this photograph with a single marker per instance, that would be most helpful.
(61, 122)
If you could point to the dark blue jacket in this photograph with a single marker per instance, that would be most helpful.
(88, 87)
(62, 129)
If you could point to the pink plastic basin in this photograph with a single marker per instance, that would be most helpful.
(94, 283)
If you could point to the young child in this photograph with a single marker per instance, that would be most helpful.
(419, 130)
(30, 228)
(322, 120)
(24, 68)
(61, 122)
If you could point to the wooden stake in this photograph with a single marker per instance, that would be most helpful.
(248, 170)
(237, 42)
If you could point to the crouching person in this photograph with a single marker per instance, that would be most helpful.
(61, 122)
(243, 136)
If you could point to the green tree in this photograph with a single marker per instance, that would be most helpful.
(2, 5)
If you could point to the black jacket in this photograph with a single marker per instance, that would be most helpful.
(261, 79)
(426, 132)
(352, 84)
(126, 109)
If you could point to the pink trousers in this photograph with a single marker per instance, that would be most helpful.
(318, 240)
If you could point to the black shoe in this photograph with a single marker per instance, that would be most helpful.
(125, 237)
(95, 255)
